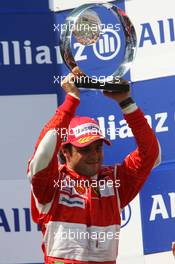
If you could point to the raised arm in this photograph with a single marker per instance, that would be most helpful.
(43, 166)
(137, 166)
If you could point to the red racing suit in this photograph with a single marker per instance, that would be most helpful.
(82, 224)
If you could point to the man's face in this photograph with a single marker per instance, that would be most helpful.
(87, 160)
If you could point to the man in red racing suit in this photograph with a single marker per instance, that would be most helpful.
(78, 203)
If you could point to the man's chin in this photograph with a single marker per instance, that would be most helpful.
(93, 172)
(90, 171)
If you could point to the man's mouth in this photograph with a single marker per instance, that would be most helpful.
(93, 163)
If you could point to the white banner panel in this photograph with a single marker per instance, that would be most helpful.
(130, 244)
(160, 258)
(20, 240)
(60, 5)
(155, 26)
(22, 118)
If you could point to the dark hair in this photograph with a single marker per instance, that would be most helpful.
(61, 156)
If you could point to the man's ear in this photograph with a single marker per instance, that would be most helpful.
(66, 153)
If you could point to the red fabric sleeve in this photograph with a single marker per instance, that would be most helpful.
(137, 166)
(43, 180)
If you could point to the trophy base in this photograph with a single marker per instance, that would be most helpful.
(113, 85)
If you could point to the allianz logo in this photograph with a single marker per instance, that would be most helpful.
(126, 215)
(16, 52)
(162, 206)
(157, 33)
(107, 48)
(16, 220)
(113, 128)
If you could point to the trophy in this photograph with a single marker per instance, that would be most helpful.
(84, 25)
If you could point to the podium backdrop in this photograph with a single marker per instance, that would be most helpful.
(30, 72)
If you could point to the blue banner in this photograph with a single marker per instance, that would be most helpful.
(158, 210)
(27, 53)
